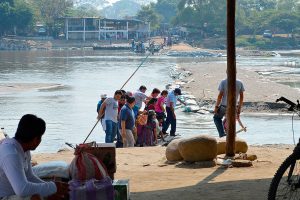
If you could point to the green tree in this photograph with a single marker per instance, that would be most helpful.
(86, 10)
(5, 17)
(14, 15)
(49, 11)
(148, 14)
(257, 5)
(210, 16)
(288, 5)
(167, 9)
(23, 15)
(287, 21)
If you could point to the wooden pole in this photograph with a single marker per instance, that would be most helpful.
(231, 77)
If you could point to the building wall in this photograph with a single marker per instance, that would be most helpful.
(108, 29)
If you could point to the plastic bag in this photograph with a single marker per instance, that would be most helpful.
(52, 169)
(91, 189)
(86, 166)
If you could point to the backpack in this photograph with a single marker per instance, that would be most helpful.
(99, 106)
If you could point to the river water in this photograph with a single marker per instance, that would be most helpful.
(70, 109)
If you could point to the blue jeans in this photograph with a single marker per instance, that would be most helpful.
(111, 131)
(119, 143)
(170, 120)
(218, 120)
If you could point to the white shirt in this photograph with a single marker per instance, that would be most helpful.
(139, 98)
(223, 87)
(16, 176)
(171, 98)
(111, 110)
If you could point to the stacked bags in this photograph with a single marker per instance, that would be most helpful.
(90, 180)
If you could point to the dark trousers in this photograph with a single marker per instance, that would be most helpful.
(218, 120)
(170, 120)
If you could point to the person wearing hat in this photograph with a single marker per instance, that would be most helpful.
(103, 97)
(170, 108)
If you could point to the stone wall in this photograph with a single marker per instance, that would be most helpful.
(17, 44)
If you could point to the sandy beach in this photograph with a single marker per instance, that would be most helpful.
(152, 177)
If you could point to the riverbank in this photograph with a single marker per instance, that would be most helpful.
(152, 177)
(260, 92)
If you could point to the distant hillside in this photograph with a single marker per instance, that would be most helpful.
(121, 9)
(98, 4)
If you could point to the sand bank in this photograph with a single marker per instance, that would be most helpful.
(260, 92)
(151, 177)
(24, 87)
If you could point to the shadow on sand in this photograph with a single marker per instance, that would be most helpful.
(207, 189)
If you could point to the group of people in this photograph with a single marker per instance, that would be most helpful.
(122, 116)
(138, 46)
(126, 119)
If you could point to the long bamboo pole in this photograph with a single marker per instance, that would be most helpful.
(231, 77)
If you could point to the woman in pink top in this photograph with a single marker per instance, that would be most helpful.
(160, 108)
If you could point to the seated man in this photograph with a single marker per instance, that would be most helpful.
(17, 180)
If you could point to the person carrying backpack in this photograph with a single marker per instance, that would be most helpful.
(103, 97)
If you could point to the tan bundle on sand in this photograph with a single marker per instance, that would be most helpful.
(86, 166)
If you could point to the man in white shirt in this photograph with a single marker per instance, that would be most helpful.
(109, 109)
(221, 104)
(140, 96)
(17, 180)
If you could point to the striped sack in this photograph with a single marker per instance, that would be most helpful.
(86, 166)
(91, 189)
(142, 119)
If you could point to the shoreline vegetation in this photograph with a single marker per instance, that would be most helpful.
(244, 49)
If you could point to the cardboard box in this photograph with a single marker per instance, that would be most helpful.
(121, 188)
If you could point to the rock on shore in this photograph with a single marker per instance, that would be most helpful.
(17, 44)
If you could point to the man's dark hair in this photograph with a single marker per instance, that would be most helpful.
(123, 92)
(30, 127)
(164, 92)
(130, 99)
(118, 92)
(143, 87)
(155, 91)
(152, 101)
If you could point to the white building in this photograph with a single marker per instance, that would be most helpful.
(92, 28)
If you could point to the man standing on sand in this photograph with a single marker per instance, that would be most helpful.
(109, 109)
(127, 123)
(17, 180)
(220, 108)
(170, 108)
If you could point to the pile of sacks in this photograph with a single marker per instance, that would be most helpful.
(90, 179)
(200, 148)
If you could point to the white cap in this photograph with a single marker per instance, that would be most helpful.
(103, 96)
